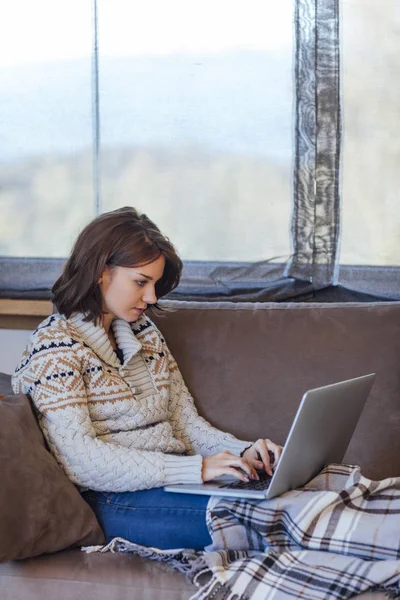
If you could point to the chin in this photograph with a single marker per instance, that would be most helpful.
(128, 316)
(132, 316)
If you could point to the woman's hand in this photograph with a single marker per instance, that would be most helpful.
(259, 450)
(226, 463)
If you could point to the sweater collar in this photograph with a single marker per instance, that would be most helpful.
(96, 338)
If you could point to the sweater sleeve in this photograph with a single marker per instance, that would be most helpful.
(198, 435)
(55, 382)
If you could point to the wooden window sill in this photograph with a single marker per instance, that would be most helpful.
(23, 314)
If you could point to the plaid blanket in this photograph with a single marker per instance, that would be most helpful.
(335, 538)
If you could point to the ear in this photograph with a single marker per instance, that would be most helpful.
(104, 275)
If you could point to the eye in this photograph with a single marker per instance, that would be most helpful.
(141, 283)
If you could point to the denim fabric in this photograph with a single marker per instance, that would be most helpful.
(152, 517)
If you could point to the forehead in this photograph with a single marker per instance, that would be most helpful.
(153, 269)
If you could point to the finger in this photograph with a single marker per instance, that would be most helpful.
(276, 449)
(240, 463)
(262, 449)
(243, 464)
(257, 465)
(236, 473)
(255, 462)
(280, 450)
(246, 466)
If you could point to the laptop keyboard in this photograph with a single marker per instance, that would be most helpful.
(253, 484)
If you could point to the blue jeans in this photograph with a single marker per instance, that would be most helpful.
(152, 517)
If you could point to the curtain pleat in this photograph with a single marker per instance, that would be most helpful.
(316, 202)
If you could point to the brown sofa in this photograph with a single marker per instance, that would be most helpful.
(261, 357)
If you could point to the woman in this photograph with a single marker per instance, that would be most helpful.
(109, 396)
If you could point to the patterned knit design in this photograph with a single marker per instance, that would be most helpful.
(107, 434)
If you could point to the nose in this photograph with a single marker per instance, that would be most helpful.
(149, 297)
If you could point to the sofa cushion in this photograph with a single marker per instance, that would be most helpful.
(41, 510)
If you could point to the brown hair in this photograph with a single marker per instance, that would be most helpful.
(122, 238)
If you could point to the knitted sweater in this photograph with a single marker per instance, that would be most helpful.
(102, 433)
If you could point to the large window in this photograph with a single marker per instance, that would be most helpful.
(195, 107)
(251, 132)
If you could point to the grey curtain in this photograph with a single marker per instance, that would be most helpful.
(316, 205)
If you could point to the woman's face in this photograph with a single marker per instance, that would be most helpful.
(126, 291)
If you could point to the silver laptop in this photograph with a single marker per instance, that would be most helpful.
(320, 434)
